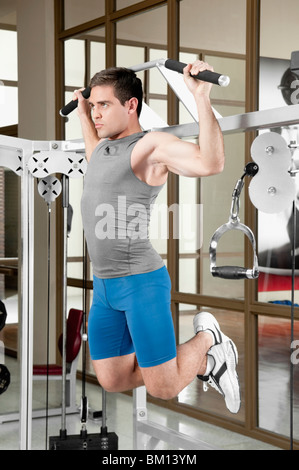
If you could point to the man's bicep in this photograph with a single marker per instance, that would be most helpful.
(180, 157)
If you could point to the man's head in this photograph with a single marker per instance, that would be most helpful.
(125, 82)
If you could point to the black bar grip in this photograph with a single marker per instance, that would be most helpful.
(230, 272)
(205, 76)
(68, 108)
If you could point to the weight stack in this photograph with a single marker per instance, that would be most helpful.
(84, 441)
(99, 441)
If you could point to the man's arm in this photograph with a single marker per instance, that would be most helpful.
(90, 135)
(190, 159)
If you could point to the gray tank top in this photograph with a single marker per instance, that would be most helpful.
(116, 208)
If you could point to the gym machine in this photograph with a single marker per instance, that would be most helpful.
(38, 159)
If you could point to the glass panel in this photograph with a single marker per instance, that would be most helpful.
(274, 366)
(158, 228)
(213, 197)
(190, 233)
(75, 77)
(8, 71)
(216, 18)
(75, 74)
(144, 27)
(127, 56)
(272, 72)
(74, 298)
(97, 57)
(188, 57)
(216, 199)
(277, 88)
(279, 22)
(232, 324)
(214, 193)
(8, 14)
(10, 324)
(8, 55)
(148, 28)
(275, 257)
(160, 108)
(77, 12)
(9, 113)
(73, 128)
(157, 84)
(125, 3)
(74, 62)
(235, 69)
(75, 237)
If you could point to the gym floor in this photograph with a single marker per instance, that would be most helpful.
(120, 406)
(119, 420)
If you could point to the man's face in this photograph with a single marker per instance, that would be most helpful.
(109, 115)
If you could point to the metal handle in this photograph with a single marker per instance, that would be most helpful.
(233, 272)
(206, 75)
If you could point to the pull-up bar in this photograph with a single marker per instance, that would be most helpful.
(174, 65)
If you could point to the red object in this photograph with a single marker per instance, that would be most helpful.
(273, 282)
(73, 344)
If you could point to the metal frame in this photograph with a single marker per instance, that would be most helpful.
(17, 154)
(147, 434)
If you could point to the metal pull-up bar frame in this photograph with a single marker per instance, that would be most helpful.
(29, 159)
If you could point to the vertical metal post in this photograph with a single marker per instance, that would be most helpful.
(27, 301)
(65, 203)
(139, 414)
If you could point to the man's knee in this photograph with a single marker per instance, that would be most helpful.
(109, 384)
(159, 384)
(161, 381)
(108, 378)
(161, 390)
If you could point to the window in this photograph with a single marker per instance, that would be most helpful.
(74, 14)
(8, 78)
(204, 28)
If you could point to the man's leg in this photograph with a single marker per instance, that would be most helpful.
(141, 316)
(210, 355)
(118, 374)
(167, 380)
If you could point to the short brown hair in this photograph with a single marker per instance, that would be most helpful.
(125, 82)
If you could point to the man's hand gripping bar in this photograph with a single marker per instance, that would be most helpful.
(174, 65)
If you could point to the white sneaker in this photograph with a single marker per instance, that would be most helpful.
(205, 321)
(224, 377)
(224, 358)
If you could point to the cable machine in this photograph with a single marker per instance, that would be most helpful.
(37, 159)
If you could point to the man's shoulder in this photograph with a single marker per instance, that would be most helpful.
(157, 137)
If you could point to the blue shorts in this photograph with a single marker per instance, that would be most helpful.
(132, 314)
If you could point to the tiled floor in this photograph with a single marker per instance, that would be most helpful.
(119, 414)
(119, 421)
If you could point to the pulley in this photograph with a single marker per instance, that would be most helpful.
(49, 188)
(272, 190)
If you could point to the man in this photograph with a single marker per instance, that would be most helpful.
(130, 329)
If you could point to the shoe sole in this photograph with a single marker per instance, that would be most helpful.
(229, 367)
